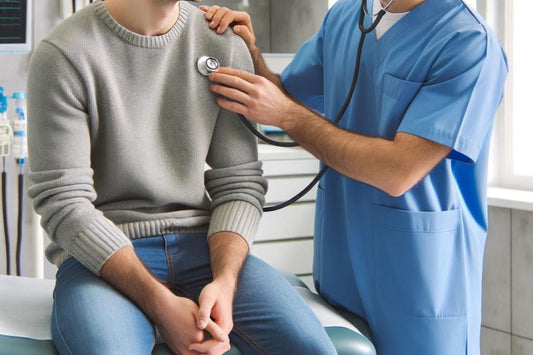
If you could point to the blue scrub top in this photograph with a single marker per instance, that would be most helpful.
(411, 265)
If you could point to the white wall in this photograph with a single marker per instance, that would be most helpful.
(13, 74)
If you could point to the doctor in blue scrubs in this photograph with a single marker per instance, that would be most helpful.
(401, 217)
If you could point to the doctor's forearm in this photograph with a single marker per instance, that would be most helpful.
(262, 69)
(392, 166)
(348, 153)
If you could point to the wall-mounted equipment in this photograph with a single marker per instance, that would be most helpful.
(68, 7)
(15, 26)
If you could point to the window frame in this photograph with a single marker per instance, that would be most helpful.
(499, 15)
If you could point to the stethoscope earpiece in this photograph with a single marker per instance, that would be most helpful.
(206, 65)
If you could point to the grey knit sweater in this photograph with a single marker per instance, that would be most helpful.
(121, 127)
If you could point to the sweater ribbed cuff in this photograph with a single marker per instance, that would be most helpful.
(238, 217)
(97, 243)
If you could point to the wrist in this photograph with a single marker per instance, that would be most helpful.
(161, 304)
(290, 117)
(227, 281)
(254, 50)
(157, 301)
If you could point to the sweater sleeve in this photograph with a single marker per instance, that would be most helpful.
(235, 183)
(59, 152)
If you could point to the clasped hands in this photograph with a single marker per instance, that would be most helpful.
(191, 329)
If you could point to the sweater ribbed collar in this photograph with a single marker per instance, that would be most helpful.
(140, 40)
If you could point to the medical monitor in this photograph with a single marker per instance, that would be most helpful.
(15, 26)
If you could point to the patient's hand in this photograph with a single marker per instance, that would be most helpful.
(177, 323)
(216, 303)
(221, 18)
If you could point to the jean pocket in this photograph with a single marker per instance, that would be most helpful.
(419, 262)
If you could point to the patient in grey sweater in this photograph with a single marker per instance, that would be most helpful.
(132, 163)
(121, 128)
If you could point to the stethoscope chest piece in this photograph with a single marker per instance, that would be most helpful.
(207, 65)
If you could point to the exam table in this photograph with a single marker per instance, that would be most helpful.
(26, 305)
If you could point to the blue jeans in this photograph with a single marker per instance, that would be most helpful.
(91, 317)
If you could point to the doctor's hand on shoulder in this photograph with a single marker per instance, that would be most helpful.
(222, 18)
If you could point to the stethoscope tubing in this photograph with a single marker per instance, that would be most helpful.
(342, 111)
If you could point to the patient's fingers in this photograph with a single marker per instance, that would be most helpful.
(210, 346)
(216, 332)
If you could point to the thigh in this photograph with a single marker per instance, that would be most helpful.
(271, 318)
(91, 317)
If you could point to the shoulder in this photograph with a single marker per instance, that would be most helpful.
(464, 26)
(229, 48)
(200, 28)
(465, 41)
(74, 31)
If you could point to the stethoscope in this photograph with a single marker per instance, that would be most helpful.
(207, 65)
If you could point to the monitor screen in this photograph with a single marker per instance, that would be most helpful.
(15, 24)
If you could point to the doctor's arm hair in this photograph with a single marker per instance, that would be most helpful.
(393, 166)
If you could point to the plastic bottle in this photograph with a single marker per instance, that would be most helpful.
(6, 132)
(20, 143)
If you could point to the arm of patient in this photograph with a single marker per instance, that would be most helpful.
(174, 316)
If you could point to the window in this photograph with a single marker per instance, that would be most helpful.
(516, 163)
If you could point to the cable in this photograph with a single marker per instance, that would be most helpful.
(20, 220)
(5, 218)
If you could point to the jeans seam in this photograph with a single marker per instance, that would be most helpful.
(170, 267)
(60, 333)
(249, 340)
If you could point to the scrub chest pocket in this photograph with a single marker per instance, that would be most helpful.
(419, 262)
(396, 96)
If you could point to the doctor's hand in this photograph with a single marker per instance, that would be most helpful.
(252, 96)
(221, 18)
(177, 323)
(216, 304)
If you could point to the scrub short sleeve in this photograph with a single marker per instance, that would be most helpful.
(456, 105)
(303, 77)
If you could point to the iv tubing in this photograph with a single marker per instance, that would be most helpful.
(20, 220)
(4, 217)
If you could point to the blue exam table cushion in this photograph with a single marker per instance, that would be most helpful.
(26, 306)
